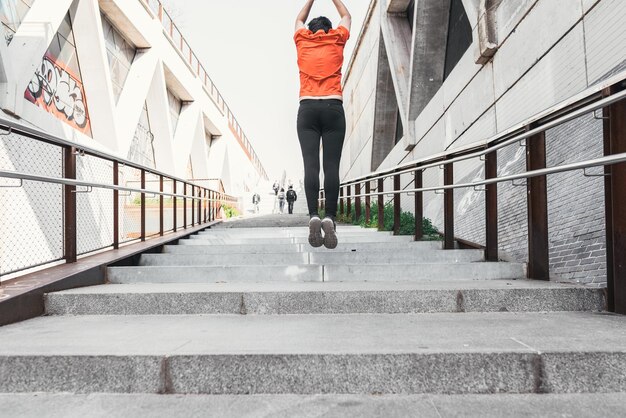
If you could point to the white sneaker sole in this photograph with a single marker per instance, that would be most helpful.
(315, 233)
(330, 236)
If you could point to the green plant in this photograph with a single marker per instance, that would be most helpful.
(407, 222)
(230, 211)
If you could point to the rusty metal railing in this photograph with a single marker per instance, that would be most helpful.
(611, 100)
(60, 201)
(180, 43)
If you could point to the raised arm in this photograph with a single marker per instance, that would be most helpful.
(346, 19)
(304, 15)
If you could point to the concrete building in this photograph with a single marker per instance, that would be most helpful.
(429, 76)
(119, 77)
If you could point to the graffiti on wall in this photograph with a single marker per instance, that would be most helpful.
(56, 90)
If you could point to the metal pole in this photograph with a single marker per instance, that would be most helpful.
(448, 204)
(193, 206)
(348, 201)
(357, 202)
(381, 205)
(70, 243)
(491, 208)
(116, 206)
(341, 206)
(161, 208)
(615, 190)
(184, 206)
(538, 252)
(174, 199)
(143, 205)
(368, 202)
(419, 206)
(396, 205)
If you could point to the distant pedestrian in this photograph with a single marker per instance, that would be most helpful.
(291, 198)
(255, 201)
(281, 200)
(275, 187)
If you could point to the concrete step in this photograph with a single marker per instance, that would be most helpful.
(473, 353)
(329, 258)
(325, 298)
(99, 405)
(291, 232)
(315, 273)
(363, 238)
(198, 247)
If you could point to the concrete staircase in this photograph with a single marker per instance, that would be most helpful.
(381, 326)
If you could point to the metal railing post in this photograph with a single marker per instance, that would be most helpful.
(448, 204)
(143, 206)
(206, 206)
(323, 201)
(419, 205)
(341, 205)
(357, 201)
(174, 203)
(193, 205)
(381, 205)
(348, 201)
(491, 208)
(184, 206)
(69, 236)
(199, 205)
(396, 204)
(116, 206)
(538, 250)
(615, 204)
(368, 202)
(161, 208)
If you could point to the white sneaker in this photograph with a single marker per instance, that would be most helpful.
(330, 235)
(315, 232)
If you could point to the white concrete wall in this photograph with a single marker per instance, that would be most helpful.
(155, 69)
(548, 52)
(31, 224)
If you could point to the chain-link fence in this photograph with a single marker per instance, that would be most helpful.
(31, 216)
(59, 202)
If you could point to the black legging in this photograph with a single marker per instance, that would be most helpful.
(323, 119)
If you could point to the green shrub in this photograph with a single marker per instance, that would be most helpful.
(407, 221)
(230, 211)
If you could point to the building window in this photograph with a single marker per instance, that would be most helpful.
(410, 14)
(142, 147)
(57, 85)
(459, 36)
(399, 128)
(121, 55)
(12, 13)
(176, 105)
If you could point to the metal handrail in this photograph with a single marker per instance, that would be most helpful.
(70, 182)
(415, 164)
(45, 137)
(598, 162)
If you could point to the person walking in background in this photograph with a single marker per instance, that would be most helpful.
(281, 200)
(292, 196)
(255, 201)
(321, 114)
(275, 187)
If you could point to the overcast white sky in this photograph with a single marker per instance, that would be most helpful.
(247, 48)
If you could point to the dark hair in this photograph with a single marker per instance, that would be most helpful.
(322, 23)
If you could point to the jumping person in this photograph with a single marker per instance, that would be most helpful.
(321, 115)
